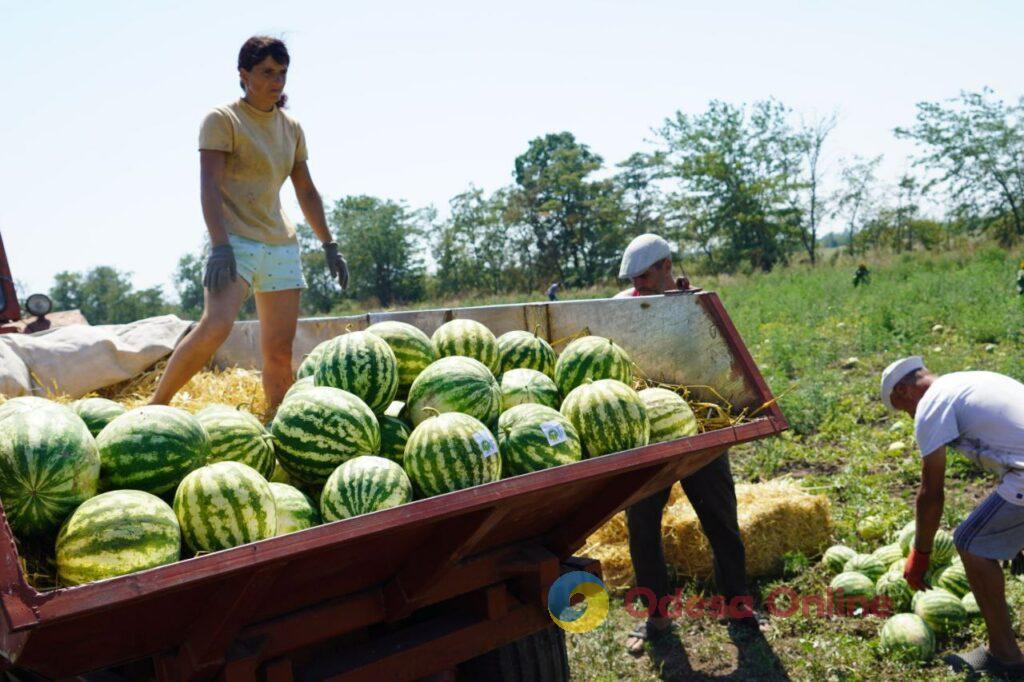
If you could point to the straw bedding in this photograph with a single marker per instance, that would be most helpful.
(775, 517)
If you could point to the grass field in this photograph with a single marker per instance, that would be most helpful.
(804, 327)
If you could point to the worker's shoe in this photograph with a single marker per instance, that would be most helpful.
(980, 662)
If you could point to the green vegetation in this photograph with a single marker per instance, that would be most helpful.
(804, 327)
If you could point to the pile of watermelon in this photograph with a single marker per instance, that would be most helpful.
(375, 419)
(922, 618)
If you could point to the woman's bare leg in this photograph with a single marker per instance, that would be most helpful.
(196, 349)
(279, 313)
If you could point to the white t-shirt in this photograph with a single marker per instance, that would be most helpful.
(981, 414)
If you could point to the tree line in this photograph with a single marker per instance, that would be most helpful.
(738, 188)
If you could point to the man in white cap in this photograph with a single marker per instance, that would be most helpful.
(647, 261)
(711, 490)
(981, 414)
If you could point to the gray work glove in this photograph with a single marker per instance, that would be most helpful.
(220, 269)
(336, 264)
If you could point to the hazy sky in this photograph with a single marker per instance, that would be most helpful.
(416, 100)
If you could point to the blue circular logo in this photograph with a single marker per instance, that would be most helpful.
(588, 612)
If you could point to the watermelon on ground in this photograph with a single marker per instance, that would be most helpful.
(954, 579)
(363, 485)
(942, 610)
(470, 339)
(412, 348)
(893, 586)
(905, 538)
(394, 434)
(943, 549)
(309, 363)
(97, 412)
(836, 556)
(608, 415)
(970, 605)
(670, 415)
(593, 358)
(116, 533)
(908, 636)
(868, 564)
(49, 464)
(522, 349)
(238, 436)
(362, 364)
(534, 437)
(888, 553)
(302, 384)
(853, 584)
(450, 452)
(223, 505)
(24, 403)
(318, 429)
(151, 448)
(294, 509)
(455, 384)
(519, 386)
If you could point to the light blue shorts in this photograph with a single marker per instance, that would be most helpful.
(268, 267)
(994, 530)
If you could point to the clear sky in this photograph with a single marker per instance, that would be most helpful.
(416, 100)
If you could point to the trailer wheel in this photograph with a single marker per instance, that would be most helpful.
(540, 657)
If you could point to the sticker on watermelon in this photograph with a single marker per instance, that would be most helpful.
(554, 432)
(486, 442)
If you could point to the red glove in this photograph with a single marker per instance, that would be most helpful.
(915, 568)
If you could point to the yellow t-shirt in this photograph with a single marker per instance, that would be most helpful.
(262, 148)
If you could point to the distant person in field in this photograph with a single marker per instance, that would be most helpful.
(981, 414)
(247, 149)
(553, 291)
(862, 276)
(711, 490)
(1020, 279)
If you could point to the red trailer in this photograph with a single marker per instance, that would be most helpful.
(457, 581)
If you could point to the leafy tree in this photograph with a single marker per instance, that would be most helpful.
(735, 174)
(642, 200)
(105, 296)
(975, 145)
(856, 195)
(382, 241)
(813, 139)
(188, 282)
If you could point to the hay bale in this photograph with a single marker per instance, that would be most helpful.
(775, 517)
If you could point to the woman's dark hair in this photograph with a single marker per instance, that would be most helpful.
(258, 48)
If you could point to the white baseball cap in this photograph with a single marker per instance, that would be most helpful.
(896, 371)
(643, 252)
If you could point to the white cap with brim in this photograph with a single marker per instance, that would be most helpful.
(643, 252)
(896, 371)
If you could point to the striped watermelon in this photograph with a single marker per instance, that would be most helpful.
(116, 533)
(300, 385)
(853, 584)
(953, 578)
(836, 556)
(412, 348)
(670, 415)
(519, 386)
(238, 436)
(223, 505)
(534, 437)
(450, 452)
(320, 428)
(455, 384)
(151, 448)
(593, 358)
(521, 349)
(970, 604)
(97, 412)
(23, 403)
(293, 508)
(470, 339)
(394, 434)
(906, 635)
(868, 564)
(896, 588)
(888, 554)
(362, 364)
(943, 549)
(941, 610)
(906, 536)
(49, 464)
(608, 415)
(363, 485)
(309, 363)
